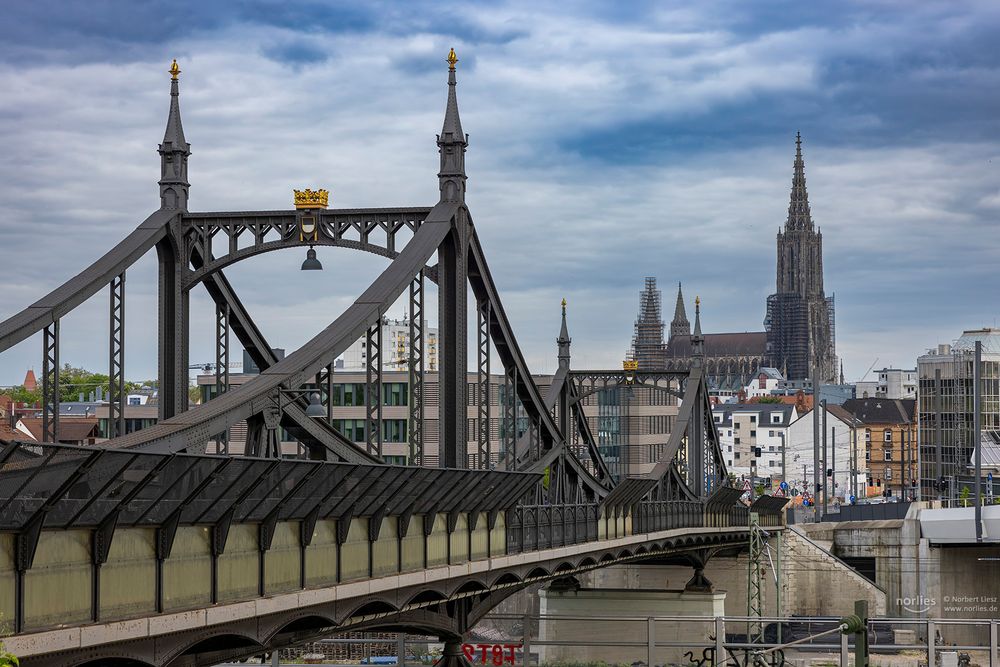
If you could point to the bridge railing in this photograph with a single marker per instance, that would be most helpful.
(532, 527)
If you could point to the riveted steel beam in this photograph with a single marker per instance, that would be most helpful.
(50, 383)
(415, 371)
(116, 358)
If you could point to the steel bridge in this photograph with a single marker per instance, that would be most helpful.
(147, 550)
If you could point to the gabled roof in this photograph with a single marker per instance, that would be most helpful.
(7, 433)
(764, 410)
(747, 344)
(71, 429)
(882, 410)
(834, 410)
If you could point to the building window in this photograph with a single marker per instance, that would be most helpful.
(737, 456)
(753, 419)
(753, 434)
(888, 455)
(776, 418)
(868, 435)
(888, 472)
(887, 434)
(349, 394)
(393, 430)
(770, 434)
(352, 429)
(736, 441)
(134, 400)
(395, 393)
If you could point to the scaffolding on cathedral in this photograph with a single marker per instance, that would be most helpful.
(648, 348)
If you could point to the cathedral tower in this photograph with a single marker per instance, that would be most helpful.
(800, 317)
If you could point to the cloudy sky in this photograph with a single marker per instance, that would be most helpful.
(607, 144)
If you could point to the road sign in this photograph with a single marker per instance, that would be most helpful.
(746, 485)
(779, 494)
(784, 486)
(989, 477)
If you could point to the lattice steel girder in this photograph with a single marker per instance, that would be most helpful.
(222, 365)
(415, 371)
(302, 365)
(510, 418)
(483, 368)
(373, 388)
(345, 228)
(116, 358)
(50, 383)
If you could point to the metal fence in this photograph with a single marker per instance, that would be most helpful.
(530, 640)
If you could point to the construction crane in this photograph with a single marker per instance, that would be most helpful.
(209, 367)
(869, 370)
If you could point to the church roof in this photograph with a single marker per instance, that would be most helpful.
(747, 344)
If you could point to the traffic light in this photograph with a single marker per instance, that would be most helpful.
(756, 451)
(829, 472)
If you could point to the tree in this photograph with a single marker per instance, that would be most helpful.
(964, 496)
(73, 381)
(769, 399)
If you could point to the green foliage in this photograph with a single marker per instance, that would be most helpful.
(769, 399)
(759, 490)
(7, 659)
(73, 381)
(964, 496)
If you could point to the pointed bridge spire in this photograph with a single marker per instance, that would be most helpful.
(174, 152)
(452, 143)
(564, 340)
(697, 340)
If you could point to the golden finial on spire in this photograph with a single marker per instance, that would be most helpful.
(564, 303)
(451, 59)
(174, 70)
(697, 301)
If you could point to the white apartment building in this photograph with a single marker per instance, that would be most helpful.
(746, 427)
(766, 381)
(893, 383)
(396, 349)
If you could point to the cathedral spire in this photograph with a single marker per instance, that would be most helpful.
(680, 325)
(174, 152)
(452, 143)
(799, 216)
(564, 340)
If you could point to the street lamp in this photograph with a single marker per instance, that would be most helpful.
(311, 263)
(315, 408)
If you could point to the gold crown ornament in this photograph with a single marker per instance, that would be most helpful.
(311, 198)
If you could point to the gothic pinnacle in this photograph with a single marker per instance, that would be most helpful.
(452, 143)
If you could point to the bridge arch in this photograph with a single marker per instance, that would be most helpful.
(677, 393)
(221, 643)
(115, 662)
(427, 596)
(303, 622)
(372, 608)
(473, 586)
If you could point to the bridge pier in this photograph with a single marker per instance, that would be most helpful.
(453, 655)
